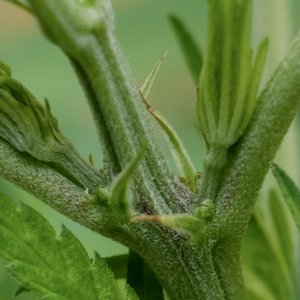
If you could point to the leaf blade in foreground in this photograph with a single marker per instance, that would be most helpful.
(58, 267)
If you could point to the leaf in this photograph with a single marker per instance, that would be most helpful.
(130, 294)
(180, 155)
(290, 192)
(22, 289)
(191, 51)
(269, 252)
(146, 87)
(253, 86)
(118, 198)
(58, 267)
(118, 264)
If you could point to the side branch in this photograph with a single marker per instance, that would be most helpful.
(86, 33)
(50, 186)
(276, 109)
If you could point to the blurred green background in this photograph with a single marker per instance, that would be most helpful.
(145, 34)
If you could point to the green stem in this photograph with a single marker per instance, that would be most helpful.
(213, 172)
(226, 256)
(114, 98)
(118, 264)
(186, 272)
(111, 161)
(49, 185)
(249, 163)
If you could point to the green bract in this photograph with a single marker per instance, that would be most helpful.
(229, 80)
(30, 128)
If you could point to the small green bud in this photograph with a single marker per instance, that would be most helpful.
(116, 195)
(205, 211)
(30, 128)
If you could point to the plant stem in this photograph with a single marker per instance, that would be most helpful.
(50, 186)
(114, 99)
(249, 163)
(226, 256)
(186, 272)
(213, 172)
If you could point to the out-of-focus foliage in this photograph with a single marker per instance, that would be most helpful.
(290, 192)
(270, 252)
(190, 49)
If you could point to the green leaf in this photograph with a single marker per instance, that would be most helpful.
(290, 192)
(181, 157)
(31, 128)
(252, 89)
(147, 85)
(269, 252)
(57, 266)
(22, 289)
(119, 189)
(116, 196)
(130, 294)
(189, 47)
(179, 152)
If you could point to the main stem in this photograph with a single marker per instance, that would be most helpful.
(118, 101)
(186, 271)
(115, 100)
